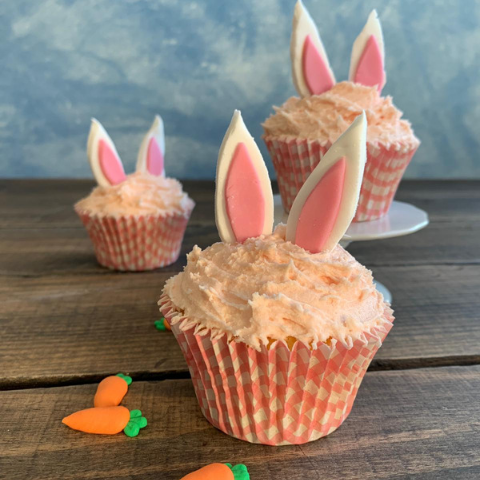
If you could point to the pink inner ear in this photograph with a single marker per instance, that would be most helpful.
(244, 196)
(320, 210)
(110, 164)
(315, 71)
(154, 158)
(370, 69)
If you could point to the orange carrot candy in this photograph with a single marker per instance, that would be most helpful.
(162, 325)
(111, 390)
(219, 471)
(107, 421)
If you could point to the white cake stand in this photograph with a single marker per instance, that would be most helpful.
(401, 219)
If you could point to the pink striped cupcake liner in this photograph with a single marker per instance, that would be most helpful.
(274, 396)
(136, 243)
(295, 159)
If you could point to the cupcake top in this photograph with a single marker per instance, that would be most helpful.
(139, 194)
(326, 108)
(268, 288)
(326, 116)
(145, 192)
(296, 283)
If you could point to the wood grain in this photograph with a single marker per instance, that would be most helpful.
(49, 203)
(421, 424)
(55, 334)
(66, 321)
(54, 329)
(58, 305)
(68, 251)
(40, 233)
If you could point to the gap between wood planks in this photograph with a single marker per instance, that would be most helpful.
(376, 366)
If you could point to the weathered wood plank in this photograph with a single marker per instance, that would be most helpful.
(56, 298)
(41, 235)
(64, 320)
(55, 329)
(421, 424)
(48, 203)
(439, 243)
(67, 251)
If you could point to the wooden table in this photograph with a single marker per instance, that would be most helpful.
(65, 323)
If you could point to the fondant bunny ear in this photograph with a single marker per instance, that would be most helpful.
(152, 149)
(311, 70)
(104, 159)
(326, 204)
(367, 65)
(243, 195)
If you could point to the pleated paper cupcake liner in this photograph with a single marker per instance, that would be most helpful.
(295, 159)
(274, 396)
(136, 243)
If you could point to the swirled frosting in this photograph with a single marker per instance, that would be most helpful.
(325, 117)
(269, 289)
(140, 194)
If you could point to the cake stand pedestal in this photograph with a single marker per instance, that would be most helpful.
(401, 219)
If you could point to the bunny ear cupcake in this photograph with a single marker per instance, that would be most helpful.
(303, 129)
(278, 328)
(136, 222)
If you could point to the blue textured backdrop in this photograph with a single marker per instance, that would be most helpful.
(64, 61)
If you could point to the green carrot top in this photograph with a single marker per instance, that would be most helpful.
(136, 423)
(239, 471)
(125, 377)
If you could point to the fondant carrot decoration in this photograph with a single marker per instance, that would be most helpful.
(219, 471)
(107, 421)
(162, 325)
(111, 390)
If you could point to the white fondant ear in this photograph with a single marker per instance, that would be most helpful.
(327, 201)
(103, 157)
(152, 150)
(311, 71)
(243, 195)
(367, 65)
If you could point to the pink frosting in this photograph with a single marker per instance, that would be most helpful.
(267, 288)
(325, 117)
(140, 194)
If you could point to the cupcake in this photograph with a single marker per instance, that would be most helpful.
(136, 222)
(278, 328)
(303, 129)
